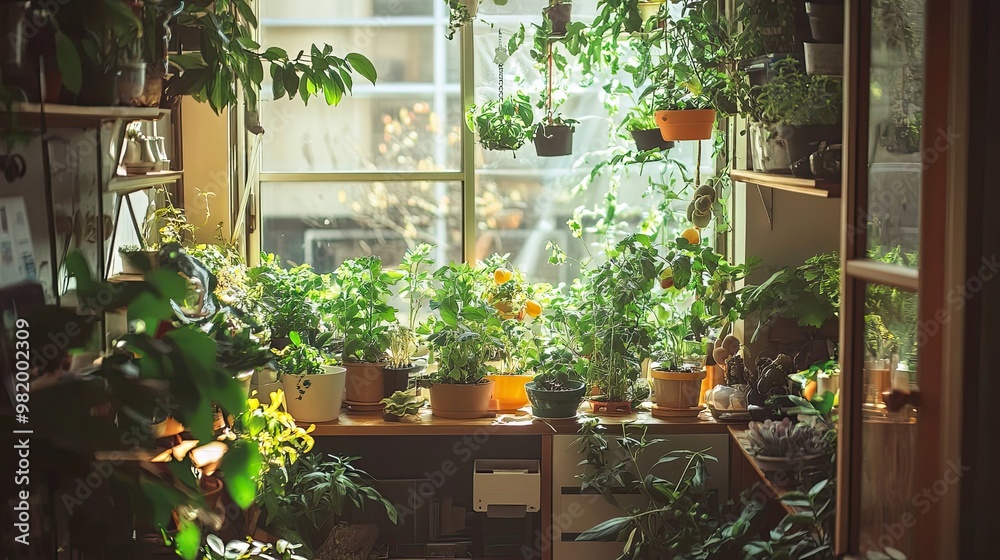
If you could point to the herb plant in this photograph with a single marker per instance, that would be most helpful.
(502, 125)
(365, 314)
(792, 97)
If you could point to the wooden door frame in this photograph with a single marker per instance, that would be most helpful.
(942, 224)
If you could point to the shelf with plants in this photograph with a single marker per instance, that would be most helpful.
(789, 183)
(77, 116)
(125, 184)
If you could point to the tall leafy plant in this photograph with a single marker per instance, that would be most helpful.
(792, 97)
(363, 304)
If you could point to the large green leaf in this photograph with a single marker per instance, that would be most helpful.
(68, 60)
(241, 464)
(363, 66)
(606, 531)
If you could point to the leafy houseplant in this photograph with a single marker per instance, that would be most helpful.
(365, 316)
(502, 125)
(230, 63)
(414, 288)
(557, 390)
(317, 388)
(321, 491)
(290, 299)
(642, 127)
(402, 405)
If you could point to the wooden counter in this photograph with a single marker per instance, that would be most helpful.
(372, 424)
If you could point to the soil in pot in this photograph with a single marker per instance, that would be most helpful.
(365, 384)
(824, 59)
(553, 140)
(453, 400)
(508, 392)
(677, 389)
(560, 16)
(556, 404)
(769, 152)
(690, 124)
(826, 21)
(315, 397)
(802, 140)
(650, 139)
(397, 379)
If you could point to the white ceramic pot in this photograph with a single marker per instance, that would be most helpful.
(264, 391)
(824, 59)
(315, 397)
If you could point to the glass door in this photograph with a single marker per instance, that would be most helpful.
(895, 169)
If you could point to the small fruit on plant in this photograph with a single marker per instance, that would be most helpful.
(667, 278)
(701, 220)
(731, 344)
(810, 391)
(692, 236)
(502, 276)
(532, 308)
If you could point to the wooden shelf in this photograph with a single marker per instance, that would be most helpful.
(738, 433)
(125, 184)
(372, 424)
(76, 116)
(811, 187)
(124, 277)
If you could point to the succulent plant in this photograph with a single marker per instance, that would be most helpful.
(785, 439)
(402, 404)
(699, 210)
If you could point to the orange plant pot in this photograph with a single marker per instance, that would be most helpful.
(688, 124)
(508, 391)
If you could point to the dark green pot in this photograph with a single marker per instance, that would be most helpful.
(555, 404)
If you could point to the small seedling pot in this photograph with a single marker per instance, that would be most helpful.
(689, 124)
(650, 139)
(453, 400)
(554, 140)
(315, 397)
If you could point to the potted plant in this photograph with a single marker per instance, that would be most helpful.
(784, 445)
(677, 376)
(557, 390)
(826, 20)
(314, 497)
(649, 9)
(805, 109)
(399, 363)
(290, 300)
(554, 137)
(464, 335)
(315, 386)
(642, 127)
(402, 406)
(684, 114)
(414, 288)
(460, 14)
(502, 125)
(557, 16)
(365, 315)
(161, 226)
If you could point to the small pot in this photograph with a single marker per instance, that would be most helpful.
(826, 21)
(825, 163)
(648, 9)
(677, 389)
(802, 140)
(397, 379)
(453, 400)
(650, 139)
(554, 140)
(265, 389)
(760, 69)
(315, 397)
(560, 15)
(824, 59)
(610, 407)
(152, 89)
(689, 124)
(769, 152)
(509, 392)
(131, 82)
(555, 404)
(365, 385)
(139, 262)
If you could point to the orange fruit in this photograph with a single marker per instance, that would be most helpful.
(532, 308)
(692, 236)
(502, 276)
(810, 391)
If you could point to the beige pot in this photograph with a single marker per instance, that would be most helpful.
(452, 400)
(364, 383)
(677, 389)
(315, 397)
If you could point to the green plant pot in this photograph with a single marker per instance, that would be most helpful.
(553, 140)
(555, 404)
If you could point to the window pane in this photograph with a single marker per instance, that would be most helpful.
(418, 76)
(325, 224)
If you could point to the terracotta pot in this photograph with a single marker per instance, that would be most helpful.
(364, 383)
(690, 124)
(508, 391)
(315, 397)
(555, 404)
(651, 139)
(677, 389)
(453, 400)
(610, 407)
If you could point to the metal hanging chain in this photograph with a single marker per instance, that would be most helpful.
(500, 64)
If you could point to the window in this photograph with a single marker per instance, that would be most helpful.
(384, 170)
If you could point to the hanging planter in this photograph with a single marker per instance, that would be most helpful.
(685, 124)
(648, 9)
(559, 13)
(554, 140)
(507, 122)
(650, 139)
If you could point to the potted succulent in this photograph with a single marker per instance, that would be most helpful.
(502, 125)
(784, 445)
(557, 15)
(402, 407)
(315, 387)
(805, 109)
(365, 315)
(557, 390)
(464, 335)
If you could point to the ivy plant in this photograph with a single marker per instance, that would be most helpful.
(502, 124)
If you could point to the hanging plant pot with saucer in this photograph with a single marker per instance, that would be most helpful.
(685, 124)
(555, 138)
(502, 125)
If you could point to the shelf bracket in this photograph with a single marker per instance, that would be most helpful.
(768, 206)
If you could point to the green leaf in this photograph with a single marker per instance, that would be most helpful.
(606, 531)
(255, 70)
(68, 61)
(363, 66)
(277, 81)
(248, 43)
(188, 541)
(332, 92)
(242, 465)
(272, 54)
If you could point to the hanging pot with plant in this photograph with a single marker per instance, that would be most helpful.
(559, 13)
(504, 123)
(556, 138)
(648, 9)
(685, 124)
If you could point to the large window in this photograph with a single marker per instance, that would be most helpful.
(386, 169)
